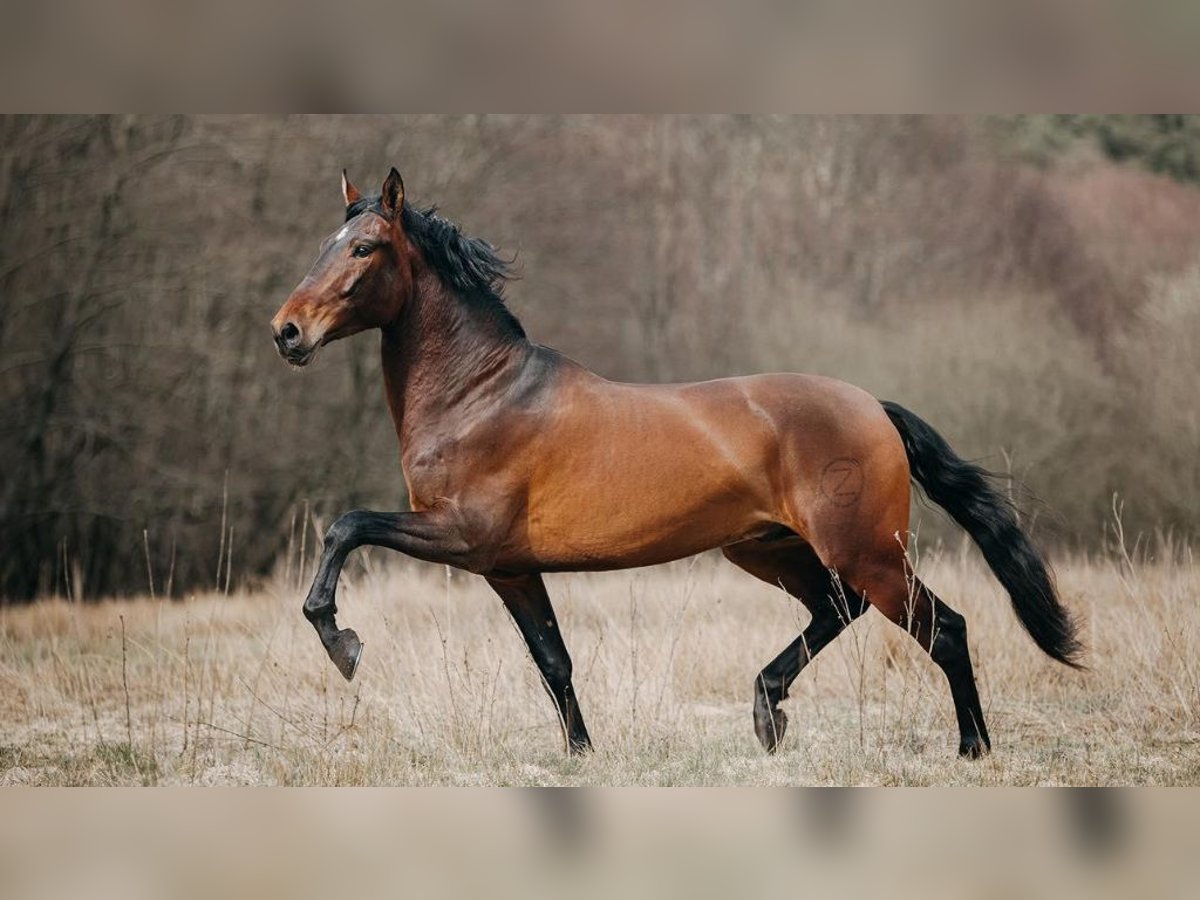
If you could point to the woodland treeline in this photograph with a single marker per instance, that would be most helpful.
(1030, 285)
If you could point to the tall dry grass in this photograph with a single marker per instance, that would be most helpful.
(236, 689)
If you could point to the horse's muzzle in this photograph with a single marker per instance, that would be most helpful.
(289, 340)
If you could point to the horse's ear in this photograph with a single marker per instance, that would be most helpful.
(349, 191)
(393, 193)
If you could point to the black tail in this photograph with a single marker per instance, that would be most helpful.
(967, 494)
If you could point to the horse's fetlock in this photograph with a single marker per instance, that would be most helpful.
(314, 613)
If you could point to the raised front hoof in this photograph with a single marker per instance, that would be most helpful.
(769, 724)
(346, 651)
(974, 748)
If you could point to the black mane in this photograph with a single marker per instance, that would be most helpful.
(470, 266)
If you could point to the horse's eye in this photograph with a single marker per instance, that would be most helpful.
(363, 250)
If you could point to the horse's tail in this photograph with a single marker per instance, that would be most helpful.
(966, 492)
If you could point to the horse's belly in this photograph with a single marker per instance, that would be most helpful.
(636, 521)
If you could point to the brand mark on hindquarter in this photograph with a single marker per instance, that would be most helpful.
(842, 481)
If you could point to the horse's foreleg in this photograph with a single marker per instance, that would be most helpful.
(428, 536)
(528, 603)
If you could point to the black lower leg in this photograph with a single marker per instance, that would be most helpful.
(320, 608)
(529, 605)
(949, 650)
(576, 732)
(771, 685)
(424, 536)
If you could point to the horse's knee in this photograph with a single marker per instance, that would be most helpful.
(344, 530)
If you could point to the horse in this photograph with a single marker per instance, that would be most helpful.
(520, 461)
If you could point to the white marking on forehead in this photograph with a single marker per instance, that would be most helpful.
(345, 230)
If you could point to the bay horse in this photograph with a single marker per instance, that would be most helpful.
(520, 461)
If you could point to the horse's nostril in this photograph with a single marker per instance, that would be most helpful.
(289, 334)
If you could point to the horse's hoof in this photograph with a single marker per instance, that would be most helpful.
(769, 724)
(974, 748)
(579, 747)
(346, 651)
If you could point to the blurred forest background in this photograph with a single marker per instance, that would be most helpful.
(1031, 285)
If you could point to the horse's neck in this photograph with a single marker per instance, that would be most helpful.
(440, 356)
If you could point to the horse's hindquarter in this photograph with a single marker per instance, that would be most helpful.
(844, 478)
(638, 474)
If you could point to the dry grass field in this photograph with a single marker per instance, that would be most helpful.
(237, 690)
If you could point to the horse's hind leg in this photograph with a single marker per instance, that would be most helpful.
(790, 563)
(943, 634)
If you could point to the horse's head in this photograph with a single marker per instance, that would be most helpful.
(361, 278)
